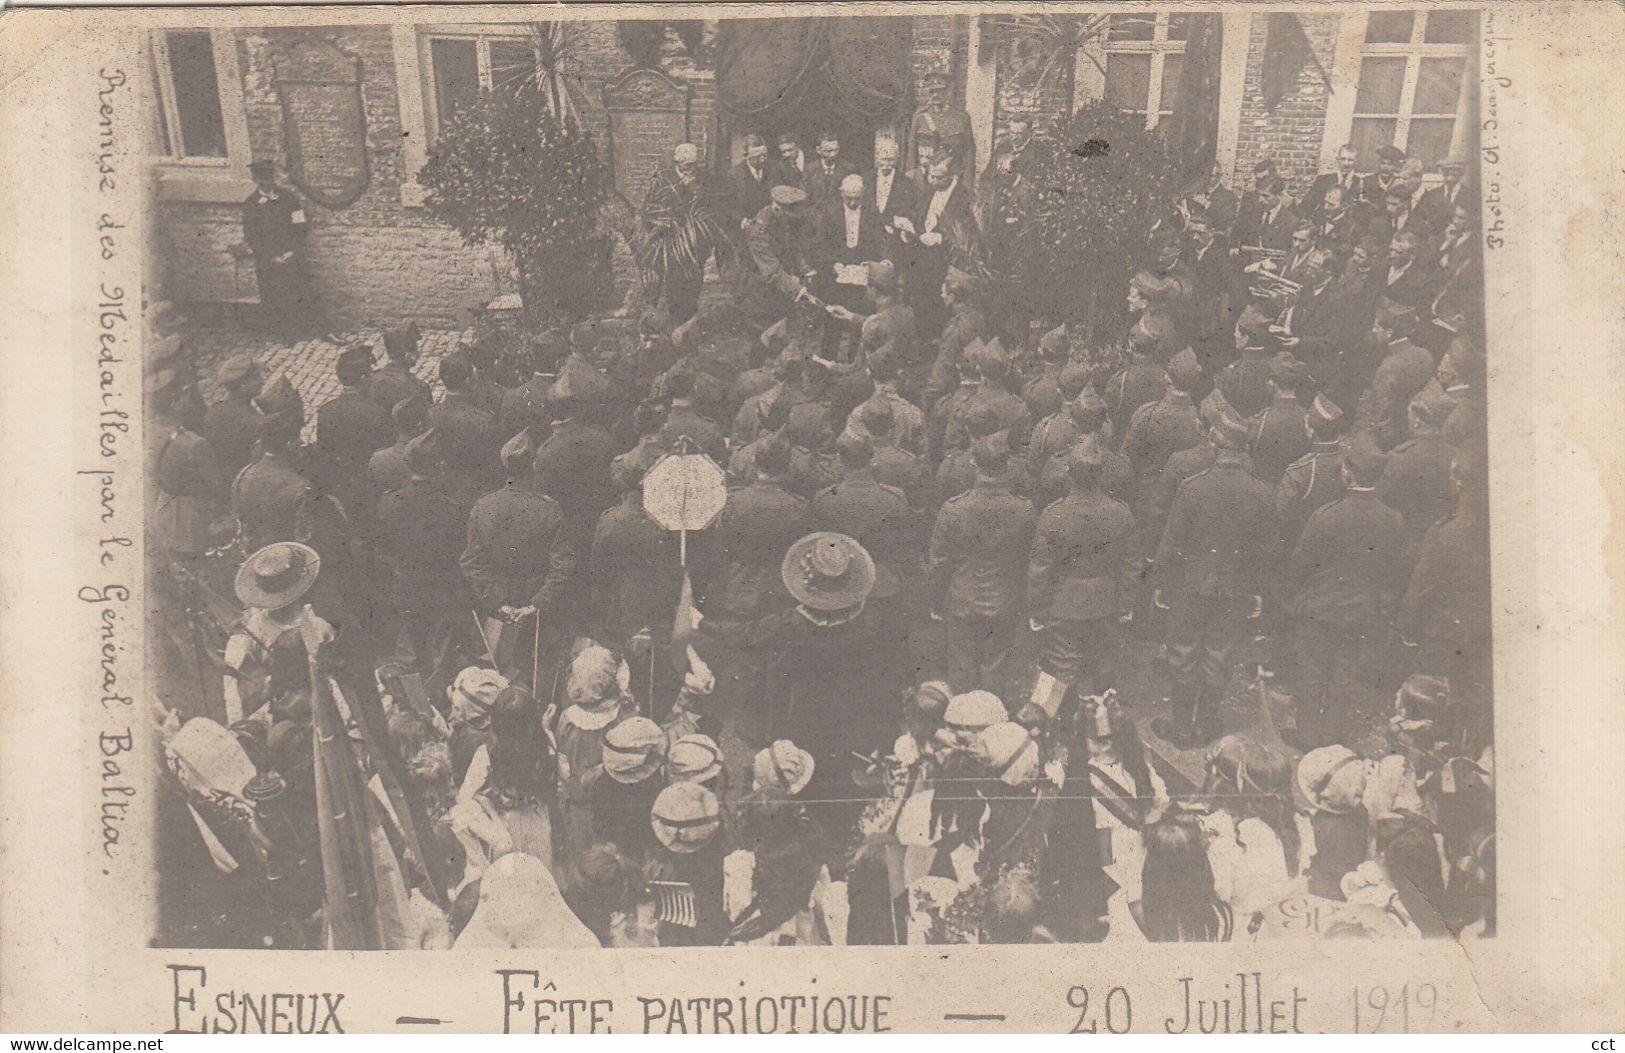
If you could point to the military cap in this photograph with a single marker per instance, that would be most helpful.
(1073, 379)
(1287, 371)
(1253, 322)
(1325, 410)
(1365, 459)
(1184, 368)
(877, 417)
(787, 196)
(882, 275)
(1088, 410)
(1088, 452)
(991, 453)
(277, 397)
(855, 448)
(278, 428)
(993, 358)
(357, 357)
(518, 452)
(627, 470)
(234, 369)
(1230, 432)
(423, 452)
(1055, 344)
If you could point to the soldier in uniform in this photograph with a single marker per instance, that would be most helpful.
(387, 469)
(1086, 419)
(1351, 558)
(1162, 428)
(736, 577)
(350, 428)
(271, 498)
(1400, 374)
(966, 324)
(526, 405)
(775, 272)
(907, 428)
(395, 381)
(634, 577)
(191, 507)
(977, 570)
(1279, 432)
(1315, 478)
(1142, 381)
(1211, 566)
(1417, 481)
(517, 561)
(1082, 574)
(683, 420)
(469, 432)
(422, 533)
(989, 368)
(892, 464)
(958, 471)
(1248, 388)
(232, 424)
(1055, 433)
(1043, 394)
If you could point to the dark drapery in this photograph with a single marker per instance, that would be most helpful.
(771, 70)
(1195, 132)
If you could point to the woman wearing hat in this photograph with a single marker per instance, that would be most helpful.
(511, 810)
(272, 585)
(687, 821)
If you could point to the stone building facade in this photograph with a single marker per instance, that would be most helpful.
(364, 123)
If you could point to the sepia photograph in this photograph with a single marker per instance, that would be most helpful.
(821, 480)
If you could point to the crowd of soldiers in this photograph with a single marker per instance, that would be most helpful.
(882, 697)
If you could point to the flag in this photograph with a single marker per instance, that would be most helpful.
(1285, 56)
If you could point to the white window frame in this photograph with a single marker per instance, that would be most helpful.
(1090, 78)
(1353, 50)
(201, 178)
(483, 36)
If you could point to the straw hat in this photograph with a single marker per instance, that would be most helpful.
(784, 766)
(685, 816)
(277, 575)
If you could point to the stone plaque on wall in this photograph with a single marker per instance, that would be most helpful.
(324, 124)
(648, 116)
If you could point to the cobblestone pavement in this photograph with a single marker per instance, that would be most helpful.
(307, 363)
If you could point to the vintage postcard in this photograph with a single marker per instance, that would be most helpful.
(822, 518)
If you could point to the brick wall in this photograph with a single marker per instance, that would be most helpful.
(1290, 134)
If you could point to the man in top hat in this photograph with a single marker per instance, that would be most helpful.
(1351, 562)
(977, 554)
(1401, 372)
(273, 230)
(422, 534)
(1210, 567)
(1316, 478)
(1280, 432)
(232, 424)
(1159, 429)
(1082, 574)
(351, 426)
(394, 381)
(1417, 480)
(776, 270)
(517, 561)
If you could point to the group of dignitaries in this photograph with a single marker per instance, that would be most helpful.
(885, 696)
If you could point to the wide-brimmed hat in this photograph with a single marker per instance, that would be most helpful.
(475, 692)
(975, 710)
(693, 758)
(685, 816)
(1328, 773)
(277, 575)
(826, 571)
(784, 766)
(631, 750)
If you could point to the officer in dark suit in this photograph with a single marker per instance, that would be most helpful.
(978, 551)
(273, 230)
(517, 561)
(394, 381)
(233, 423)
(1082, 574)
(1351, 559)
(468, 432)
(1247, 382)
(1211, 567)
(1314, 479)
(1279, 433)
(1252, 205)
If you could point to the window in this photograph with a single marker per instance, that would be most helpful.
(1144, 56)
(192, 121)
(1413, 90)
(458, 65)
